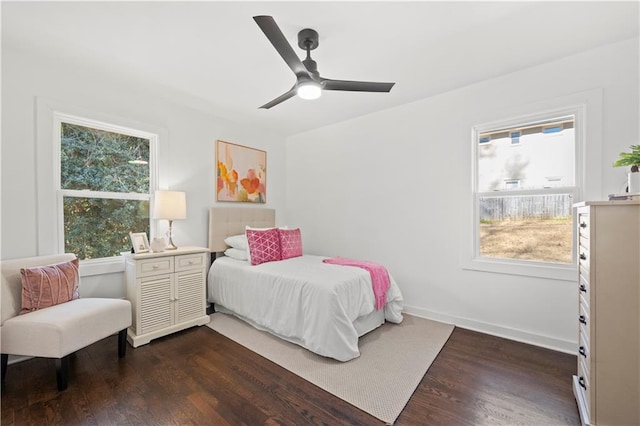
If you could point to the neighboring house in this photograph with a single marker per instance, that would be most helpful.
(506, 157)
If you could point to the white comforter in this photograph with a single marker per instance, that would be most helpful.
(302, 300)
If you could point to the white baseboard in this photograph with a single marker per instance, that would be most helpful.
(560, 345)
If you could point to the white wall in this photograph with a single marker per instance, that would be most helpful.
(394, 187)
(189, 151)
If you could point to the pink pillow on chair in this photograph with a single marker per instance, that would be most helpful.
(290, 243)
(45, 286)
(264, 245)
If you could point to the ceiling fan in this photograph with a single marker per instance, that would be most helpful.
(309, 83)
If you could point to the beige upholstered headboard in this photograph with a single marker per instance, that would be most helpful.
(224, 222)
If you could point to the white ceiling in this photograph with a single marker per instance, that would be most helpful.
(212, 55)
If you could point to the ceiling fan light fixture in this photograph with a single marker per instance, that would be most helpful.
(309, 83)
(309, 90)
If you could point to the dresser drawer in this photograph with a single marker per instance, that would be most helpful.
(584, 321)
(584, 291)
(584, 242)
(584, 273)
(584, 380)
(583, 257)
(155, 266)
(584, 351)
(583, 225)
(189, 261)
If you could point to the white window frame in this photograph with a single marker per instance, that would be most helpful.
(587, 108)
(58, 119)
(527, 267)
(49, 233)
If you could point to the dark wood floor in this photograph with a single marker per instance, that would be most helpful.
(200, 377)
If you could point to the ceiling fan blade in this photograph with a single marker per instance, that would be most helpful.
(355, 86)
(291, 93)
(269, 27)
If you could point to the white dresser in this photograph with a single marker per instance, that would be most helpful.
(167, 292)
(607, 386)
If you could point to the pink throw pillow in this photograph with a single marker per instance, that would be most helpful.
(264, 246)
(290, 243)
(45, 286)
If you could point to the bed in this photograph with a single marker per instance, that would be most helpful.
(322, 307)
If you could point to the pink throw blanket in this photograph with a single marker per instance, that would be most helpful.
(379, 276)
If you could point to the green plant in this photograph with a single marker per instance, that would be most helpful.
(629, 158)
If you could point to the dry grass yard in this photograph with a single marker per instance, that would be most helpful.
(546, 240)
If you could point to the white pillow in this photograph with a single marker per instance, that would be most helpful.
(237, 254)
(237, 242)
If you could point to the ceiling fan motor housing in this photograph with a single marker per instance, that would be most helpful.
(308, 39)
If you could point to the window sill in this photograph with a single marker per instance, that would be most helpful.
(106, 265)
(529, 269)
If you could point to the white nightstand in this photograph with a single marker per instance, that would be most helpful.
(167, 292)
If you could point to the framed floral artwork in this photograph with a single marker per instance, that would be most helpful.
(241, 173)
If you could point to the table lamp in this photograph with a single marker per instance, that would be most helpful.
(170, 205)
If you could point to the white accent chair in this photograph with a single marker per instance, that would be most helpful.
(59, 330)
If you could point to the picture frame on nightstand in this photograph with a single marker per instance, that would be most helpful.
(140, 242)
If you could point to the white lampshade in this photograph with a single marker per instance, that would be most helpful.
(170, 205)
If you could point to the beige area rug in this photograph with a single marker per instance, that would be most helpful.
(393, 359)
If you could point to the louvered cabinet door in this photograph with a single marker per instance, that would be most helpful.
(190, 296)
(190, 302)
(156, 303)
(167, 292)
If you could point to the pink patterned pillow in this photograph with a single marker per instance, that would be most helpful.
(264, 246)
(45, 286)
(290, 243)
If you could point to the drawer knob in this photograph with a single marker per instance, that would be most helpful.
(582, 383)
(582, 319)
(583, 256)
(583, 224)
(583, 288)
(582, 352)
(155, 266)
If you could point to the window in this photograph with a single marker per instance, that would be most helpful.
(104, 185)
(515, 138)
(582, 182)
(512, 184)
(525, 186)
(553, 181)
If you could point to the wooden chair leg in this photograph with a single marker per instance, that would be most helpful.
(5, 360)
(122, 343)
(62, 372)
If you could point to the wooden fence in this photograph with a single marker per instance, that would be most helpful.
(525, 206)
